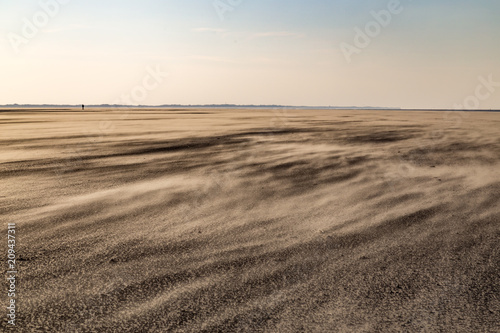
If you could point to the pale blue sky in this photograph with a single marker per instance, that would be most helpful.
(430, 55)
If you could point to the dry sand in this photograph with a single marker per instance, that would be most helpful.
(253, 220)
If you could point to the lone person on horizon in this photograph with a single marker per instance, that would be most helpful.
(83, 107)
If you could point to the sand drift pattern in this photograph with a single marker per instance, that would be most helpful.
(215, 221)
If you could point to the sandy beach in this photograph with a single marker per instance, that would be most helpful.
(253, 220)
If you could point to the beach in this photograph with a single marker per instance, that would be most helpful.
(253, 220)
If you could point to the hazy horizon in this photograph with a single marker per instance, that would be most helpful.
(239, 106)
(319, 53)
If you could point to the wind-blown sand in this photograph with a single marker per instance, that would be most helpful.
(253, 220)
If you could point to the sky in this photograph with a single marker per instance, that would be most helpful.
(390, 53)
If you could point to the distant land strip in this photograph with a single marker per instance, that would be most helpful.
(235, 106)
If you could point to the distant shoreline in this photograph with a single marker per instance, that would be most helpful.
(230, 106)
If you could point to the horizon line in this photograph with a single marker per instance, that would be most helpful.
(15, 105)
